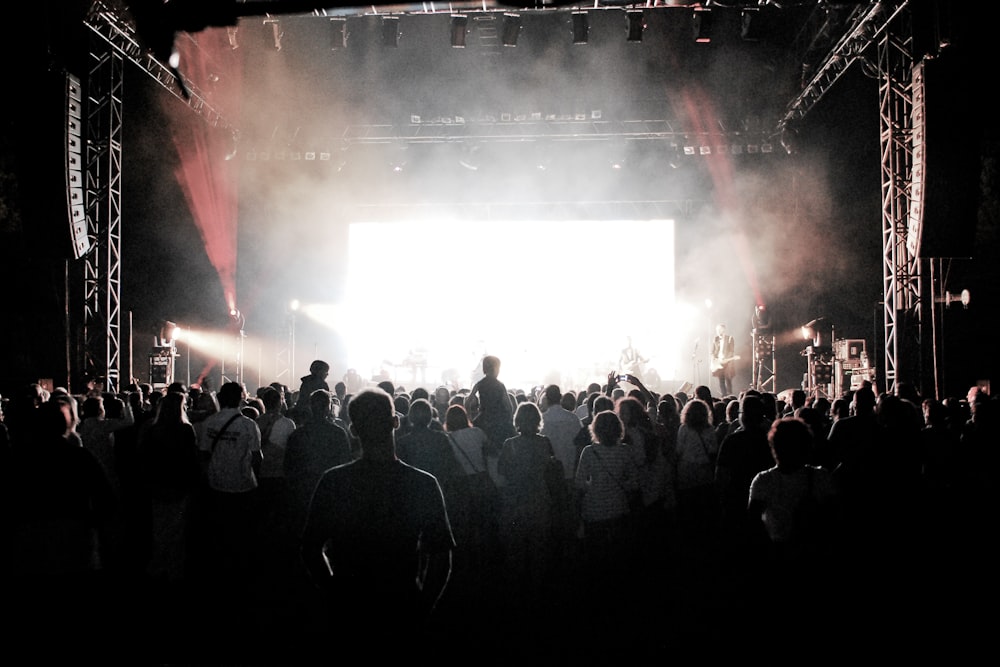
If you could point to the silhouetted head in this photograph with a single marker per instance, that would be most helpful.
(373, 419)
(271, 398)
(696, 414)
(553, 395)
(56, 416)
(630, 410)
(491, 365)
(319, 368)
(528, 418)
(441, 397)
(751, 411)
(456, 418)
(230, 395)
(864, 401)
(790, 439)
(420, 413)
(607, 428)
(321, 404)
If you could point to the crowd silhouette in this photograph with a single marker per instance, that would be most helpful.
(488, 524)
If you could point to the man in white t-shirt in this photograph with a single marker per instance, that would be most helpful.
(561, 427)
(231, 456)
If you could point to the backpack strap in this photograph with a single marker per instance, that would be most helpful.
(221, 430)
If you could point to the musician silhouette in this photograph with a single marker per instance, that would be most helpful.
(630, 360)
(723, 356)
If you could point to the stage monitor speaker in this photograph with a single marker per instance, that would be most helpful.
(947, 137)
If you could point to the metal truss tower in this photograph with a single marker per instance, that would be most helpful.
(901, 275)
(113, 42)
(763, 367)
(102, 267)
(888, 25)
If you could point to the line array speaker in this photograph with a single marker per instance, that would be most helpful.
(75, 203)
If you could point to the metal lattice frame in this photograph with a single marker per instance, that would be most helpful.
(764, 364)
(901, 280)
(901, 272)
(120, 35)
(863, 25)
(102, 270)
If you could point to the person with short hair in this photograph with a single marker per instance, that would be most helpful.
(231, 458)
(428, 448)
(319, 444)
(377, 539)
(489, 404)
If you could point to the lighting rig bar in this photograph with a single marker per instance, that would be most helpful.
(122, 37)
(486, 132)
(866, 24)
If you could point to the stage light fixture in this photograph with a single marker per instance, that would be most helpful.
(701, 25)
(338, 34)
(789, 140)
(674, 153)
(272, 28)
(168, 333)
(234, 144)
(635, 25)
(398, 158)
(459, 28)
(750, 25)
(963, 297)
(581, 27)
(469, 156)
(511, 29)
(390, 31)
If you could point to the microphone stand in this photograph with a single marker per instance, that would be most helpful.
(695, 363)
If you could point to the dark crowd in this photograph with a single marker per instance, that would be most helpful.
(339, 522)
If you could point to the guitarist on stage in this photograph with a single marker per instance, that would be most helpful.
(630, 361)
(723, 356)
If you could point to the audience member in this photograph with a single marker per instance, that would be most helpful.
(377, 540)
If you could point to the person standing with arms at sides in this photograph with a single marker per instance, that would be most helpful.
(723, 358)
(377, 540)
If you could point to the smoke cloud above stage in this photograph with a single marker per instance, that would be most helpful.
(541, 201)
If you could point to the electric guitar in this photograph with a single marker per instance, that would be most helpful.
(717, 364)
(634, 365)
